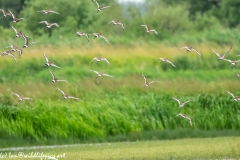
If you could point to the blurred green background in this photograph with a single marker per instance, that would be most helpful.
(121, 108)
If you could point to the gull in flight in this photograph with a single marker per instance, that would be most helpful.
(235, 98)
(83, 34)
(231, 61)
(48, 11)
(189, 49)
(9, 53)
(55, 79)
(14, 49)
(185, 116)
(5, 14)
(49, 25)
(48, 62)
(100, 74)
(15, 19)
(146, 83)
(20, 98)
(100, 35)
(117, 23)
(100, 8)
(166, 60)
(149, 30)
(66, 96)
(98, 59)
(181, 104)
(223, 56)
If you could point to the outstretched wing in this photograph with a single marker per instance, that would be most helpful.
(215, 53)
(16, 94)
(145, 26)
(153, 30)
(104, 38)
(153, 82)
(53, 76)
(45, 57)
(196, 51)
(107, 75)
(54, 12)
(72, 97)
(12, 55)
(25, 38)
(96, 3)
(105, 7)
(93, 60)
(14, 29)
(145, 80)
(171, 63)
(61, 91)
(227, 52)
(13, 16)
(54, 65)
(105, 59)
(185, 47)
(187, 101)
(228, 60)
(177, 100)
(95, 71)
(230, 94)
(26, 98)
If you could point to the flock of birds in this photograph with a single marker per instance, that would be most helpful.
(97, 59)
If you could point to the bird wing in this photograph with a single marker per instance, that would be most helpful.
(112, 22)
(105, 7)
(14, 29)
(196, 51)
(153, 30)
(180, 114)
(177, 100)
(93, 60)
(171, 63)
(13, 16)
(145, 80)
(61, 91)
(72, 97)
(25, 38)
(60, 80)
(237, 74)
(104, 38)
(96, 3)
(53, 76)
(54, 12)
(95, 71)
(105, 59)
(45, 57)
(227, 52)
(20, 52)
(54, 65)
(55, 24)
(107, 75)
(152, 82)
(12, 55)
(123, 27)
(230, 94)
(26, 98)
(145, 26)
(86, 36)
(228, 60)
(215, 53)
(185, 47)
(16, 94)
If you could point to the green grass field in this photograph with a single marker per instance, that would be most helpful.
(203, 148)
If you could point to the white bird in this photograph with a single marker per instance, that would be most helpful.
(185, 116)
(235, 98)
(49, 25)
(20, 98)
(83, 34)
(15, 48)
(55, 79)
(17, 34)
(233, 62)
(100, 35)
(15, 19)
(9, 52)
(181, 104)
(27, 44)
(100, 8)
(48, 11)
(149, 30)
(117, 23)
(189, 49)
(66, 96)
(100, 74)
(146, 83)
(5, 14)
(223, 56)
(166, 60)
(98, 59)
(49, 63)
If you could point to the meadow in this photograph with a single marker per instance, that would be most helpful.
(115, 109)
(197, 148)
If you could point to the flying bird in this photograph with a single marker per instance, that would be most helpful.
(27, 44)
(100, 35)
(83, 34)
(117, 23)
(15, 19)
(17, 34)
(98, 59)
(180, 103)
(49, 25)
(223, 56)
(149, 30)
(20, 98)
(146, 83)
(185, 116)
(5, 14)
(48, 11)
(100, 74)
(235, 98)
(189, 49)
(100, 8)
(55, 79)
(15, 49)
(66, 96)
(48, 62)
(166, 60)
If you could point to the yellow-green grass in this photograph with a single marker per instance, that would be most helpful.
(196, 148)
